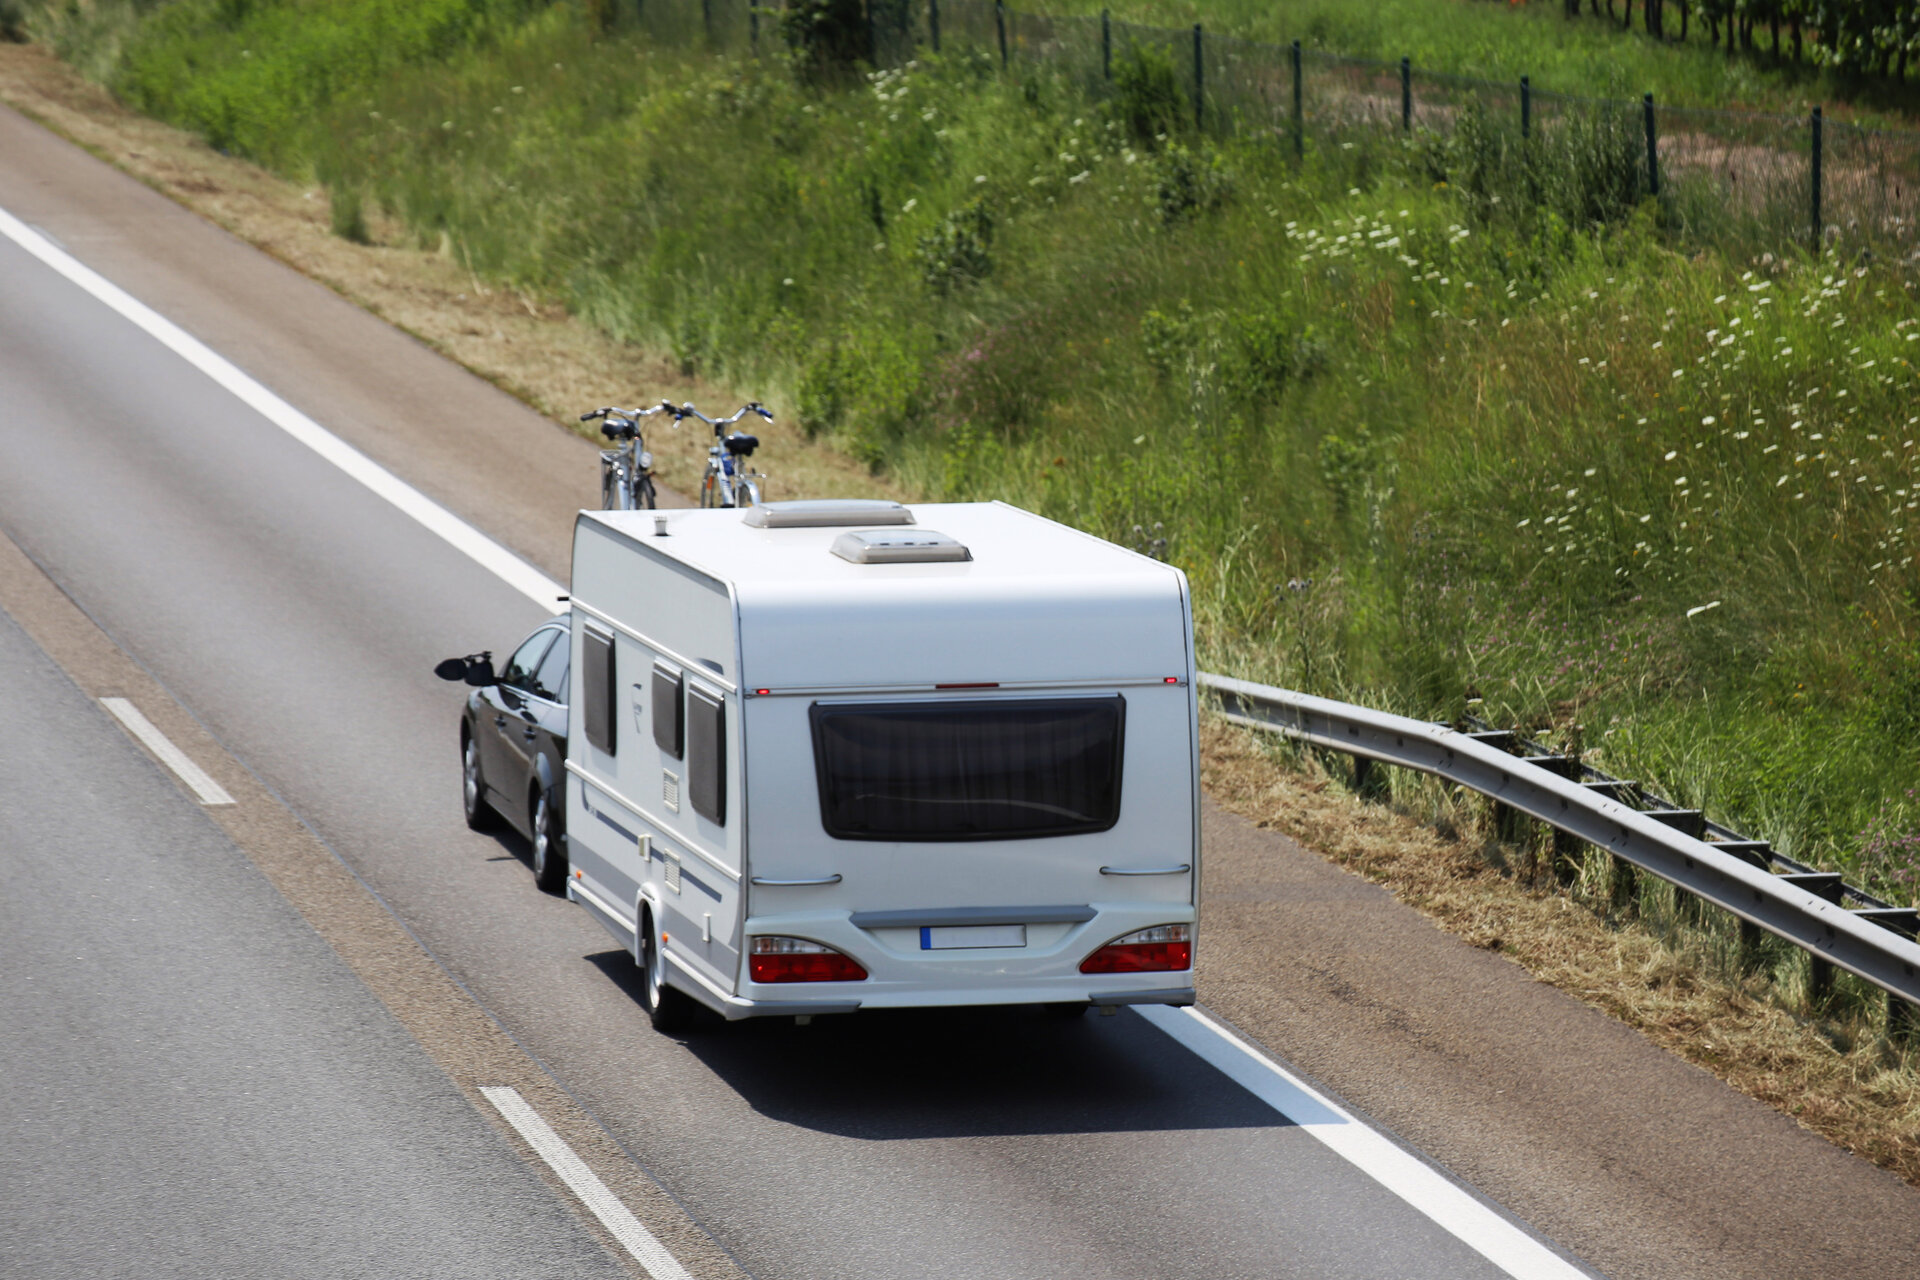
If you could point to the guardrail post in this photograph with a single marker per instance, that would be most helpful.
(1653, 148)
(1369, 780)
(1818, 130)
(1000, 25)
(1526, 107)
(1406, 95)
(933, 24)
(1106, 45)
(1199, 80)
(1903, 1021)
(1623, 890)
(1299, 122)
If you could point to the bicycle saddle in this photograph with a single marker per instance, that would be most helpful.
(619, 430)
(741, 445)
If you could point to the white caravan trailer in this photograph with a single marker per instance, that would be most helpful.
(825, 758)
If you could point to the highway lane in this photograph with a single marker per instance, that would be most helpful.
(195, 1084)
(298, 615)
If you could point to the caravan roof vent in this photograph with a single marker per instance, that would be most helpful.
(884, 546)
(821, 513)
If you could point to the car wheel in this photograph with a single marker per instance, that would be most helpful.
(667, 1008)
(473, 788)
(549, 857)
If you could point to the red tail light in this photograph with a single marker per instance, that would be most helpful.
(1155, 950)
(776, 959)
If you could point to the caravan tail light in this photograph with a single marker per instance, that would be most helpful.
(777, 959)
(1163, 947)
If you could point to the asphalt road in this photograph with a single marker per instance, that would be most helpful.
(196, 1085)
(297, 616)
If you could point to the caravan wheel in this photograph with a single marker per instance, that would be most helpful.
(667, 1008)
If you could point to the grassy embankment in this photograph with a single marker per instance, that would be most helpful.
(1426, 423)
(1497, 40)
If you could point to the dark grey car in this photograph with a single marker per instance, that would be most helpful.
(513, 744)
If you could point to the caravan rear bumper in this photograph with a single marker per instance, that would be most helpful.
(904, 973)
(737, 1008)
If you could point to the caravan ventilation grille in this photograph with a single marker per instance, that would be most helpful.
(823, 513)
(883, 546)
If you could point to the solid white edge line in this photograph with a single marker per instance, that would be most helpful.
(1452, 1208)
(197, 779)
(652, 1256)
(517, 573)
(1485, 1231)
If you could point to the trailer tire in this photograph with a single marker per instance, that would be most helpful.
(473, 787)
(667, 1008)
(549, 862)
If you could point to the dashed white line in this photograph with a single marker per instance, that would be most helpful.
(614, 1216)
(198, 780)
(1476, 1224)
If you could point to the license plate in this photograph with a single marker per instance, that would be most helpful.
(951, 937)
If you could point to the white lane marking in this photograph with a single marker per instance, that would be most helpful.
(1493, 1236)
(1481, 1228)
(517, 573)
(196, 778)
(614, 1216)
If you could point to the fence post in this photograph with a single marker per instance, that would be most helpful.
(1199, 81)
(1106, 45)
(1526, 107)
(1653, 149)
(1817, 147)
(706, 19)
(1000, 25)
(753, 28)
(1299, 123)
(1406, 95)
(933, 23)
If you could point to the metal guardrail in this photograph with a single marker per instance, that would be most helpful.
(1803, 906)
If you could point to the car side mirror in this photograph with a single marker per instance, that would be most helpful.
(476, 669)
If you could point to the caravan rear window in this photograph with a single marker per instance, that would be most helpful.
(976, 770)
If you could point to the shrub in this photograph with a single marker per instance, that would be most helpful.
(829, 38)
(955, 253)
(1188, 184)
(1147, 97)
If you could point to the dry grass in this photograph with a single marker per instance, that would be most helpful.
(1844, 1085)
(523, 344)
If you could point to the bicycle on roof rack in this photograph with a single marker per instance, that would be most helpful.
(626, 470)
(729, 480)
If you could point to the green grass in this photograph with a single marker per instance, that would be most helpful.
(1431, 424)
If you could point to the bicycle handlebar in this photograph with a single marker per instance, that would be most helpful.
(753, 406)
(665, 406)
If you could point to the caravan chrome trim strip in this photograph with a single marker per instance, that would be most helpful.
(660, 827)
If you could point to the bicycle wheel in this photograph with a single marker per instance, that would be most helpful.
(746, 491)
(643, 495)
(710, 492)
(613, 488)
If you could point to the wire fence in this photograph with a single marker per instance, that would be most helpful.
(1746, 178)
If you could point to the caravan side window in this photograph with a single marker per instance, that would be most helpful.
(596, 688)
(707, 753)
(668, 726)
